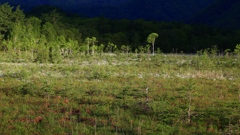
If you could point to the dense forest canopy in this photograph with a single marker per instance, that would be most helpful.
(47, 30)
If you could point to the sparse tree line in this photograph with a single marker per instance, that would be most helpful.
(54, 35)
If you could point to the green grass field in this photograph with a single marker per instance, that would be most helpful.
(120, 94)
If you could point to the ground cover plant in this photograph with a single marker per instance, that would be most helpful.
(122, 94)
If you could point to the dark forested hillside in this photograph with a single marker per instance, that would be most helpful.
(222, 14)
(163, 10)
(166, 10)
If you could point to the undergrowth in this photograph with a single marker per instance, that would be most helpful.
(119, 94)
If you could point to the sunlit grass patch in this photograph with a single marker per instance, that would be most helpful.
(170, 94)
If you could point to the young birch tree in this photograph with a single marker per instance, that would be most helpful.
(151, 39)
(93, 41)
(87, 41)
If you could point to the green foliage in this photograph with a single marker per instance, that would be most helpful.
(42, 54)
(54, 54)
(237, 49)
(227, 52)
(51, 17)
(111, 47)
(49, 31)
(214, 50)
(159, 51)
(151, 39)
(126, 49)
(100, 49)
(20, 33)
(8, 17)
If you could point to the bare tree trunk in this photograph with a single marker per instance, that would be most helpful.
(189, 108)
(88, 48)
(93, 47)
(153, 49)
(189, 114)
